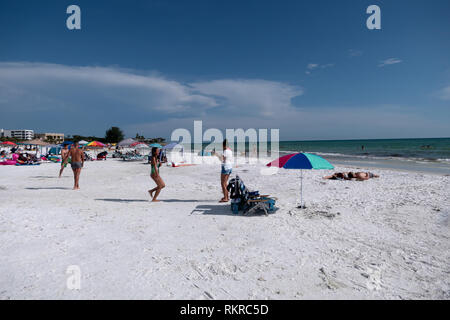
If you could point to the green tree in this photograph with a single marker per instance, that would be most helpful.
(114, 135)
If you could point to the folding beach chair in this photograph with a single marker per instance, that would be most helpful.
(264, 203)
(250, 202)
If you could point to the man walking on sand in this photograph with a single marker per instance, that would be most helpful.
(77, 162)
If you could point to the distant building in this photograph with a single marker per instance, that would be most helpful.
(5, 133)
(18, 134)
(53, 137)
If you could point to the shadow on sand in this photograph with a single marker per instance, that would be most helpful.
(122, 200)
(49, 188)
(214, 209)
(180, 200)
(149, 200)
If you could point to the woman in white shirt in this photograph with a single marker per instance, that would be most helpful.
(227, 168)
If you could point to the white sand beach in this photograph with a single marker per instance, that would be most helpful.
(385, 238)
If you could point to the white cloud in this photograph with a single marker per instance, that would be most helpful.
(389, 62)
(259, 97)
(444, 94)
(313, 66)
(354, 53)
(126, 96)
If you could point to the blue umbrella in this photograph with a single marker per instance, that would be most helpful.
(301, 161)
(157, 145)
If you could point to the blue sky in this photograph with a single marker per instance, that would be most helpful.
(310, 68)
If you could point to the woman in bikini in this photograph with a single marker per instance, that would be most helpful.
(155, 163)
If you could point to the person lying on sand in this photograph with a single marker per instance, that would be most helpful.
(338, 176)
(361, 176)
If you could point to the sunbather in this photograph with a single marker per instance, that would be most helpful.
(361, 176)
(338, 176)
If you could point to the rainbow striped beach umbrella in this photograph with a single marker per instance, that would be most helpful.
(95, 144)
(301, 161)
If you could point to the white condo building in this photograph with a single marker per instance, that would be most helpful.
(18, 134)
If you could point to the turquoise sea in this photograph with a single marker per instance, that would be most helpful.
(431, 154)
(424, 155)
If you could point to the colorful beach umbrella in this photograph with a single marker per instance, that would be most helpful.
(301, 161)
(95, 144)
(8, 143)
(156, 145)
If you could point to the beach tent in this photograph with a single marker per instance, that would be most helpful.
(301, 161)
(141, 146)
(37, 142)
(126, 142)
(82, 143)
(138, 143)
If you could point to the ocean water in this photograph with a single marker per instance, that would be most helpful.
(436, 149)
(431, 155)
(424, 155)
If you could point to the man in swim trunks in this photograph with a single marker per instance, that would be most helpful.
(77, 162)
(64, 158)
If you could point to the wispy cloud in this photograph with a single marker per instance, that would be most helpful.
(444, 94)
(354, 53)
(389, 62)
(313, 66)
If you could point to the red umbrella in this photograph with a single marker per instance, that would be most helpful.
(8, 143)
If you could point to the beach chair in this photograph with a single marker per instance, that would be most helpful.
(250, 202)
(260, 203)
